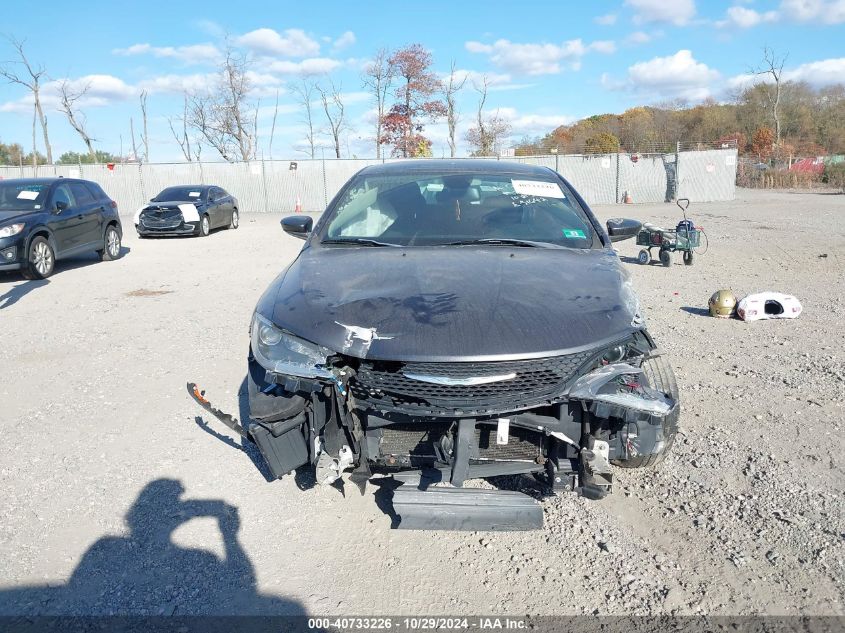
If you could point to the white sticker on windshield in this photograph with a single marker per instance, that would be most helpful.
(27, 195)
(194, 194)
(537, 188)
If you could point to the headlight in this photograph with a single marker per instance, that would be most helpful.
(281, 353)
(12, 229)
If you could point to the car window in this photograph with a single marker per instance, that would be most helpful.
(22, 196)
(63, 194)
(81, 194)
(96, 191)
(431, 209)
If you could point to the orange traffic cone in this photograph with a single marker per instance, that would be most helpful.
(628, 198)
(298, 207)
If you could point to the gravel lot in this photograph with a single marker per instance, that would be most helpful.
(116, 500)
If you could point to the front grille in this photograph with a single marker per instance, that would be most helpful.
(417, 440)
(164, 218)
(384, 385)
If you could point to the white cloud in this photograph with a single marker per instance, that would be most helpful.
(344, 41)
(677, 12)
(674, 76)
(638, 37)
(606, 20)
(740, 17)
(100, 90)
(822, 11)
(603, 46)
(532, 59)
(311, 66)
(529, 124)
(825, 72)
(175, 84)
(192, 54)
(293, 43)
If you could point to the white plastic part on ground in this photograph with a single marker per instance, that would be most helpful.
(768, 305)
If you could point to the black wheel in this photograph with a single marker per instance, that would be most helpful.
(644, 257)
(688, 258)
(111, 245)
(660, 376)
(235, 219)
(41, 260)
(665, 258)
(205, 226)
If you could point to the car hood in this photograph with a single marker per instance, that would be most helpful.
(6, 216)
(453, 303)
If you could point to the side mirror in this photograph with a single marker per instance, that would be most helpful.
(298, 225)
(61, 205)
(622, 228)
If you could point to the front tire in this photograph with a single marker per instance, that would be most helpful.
(665, 258)
(643, 257)
(41, 260)
(687, 258)
(660, 376)
(205, 226)
(235, 220)
(111, 245)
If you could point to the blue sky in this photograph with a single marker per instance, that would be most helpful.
(547, 62)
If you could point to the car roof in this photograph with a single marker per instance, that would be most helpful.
(191, 186)
(438, 166)
(36, 181)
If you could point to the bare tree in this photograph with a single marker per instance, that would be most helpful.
(333, 107)
(772, 65)
(378, 79)
(273, 127)
(182, 137)
(489, 131)
(222, 116)
(304, 92)
(450, 88)
(145, 139)
(132, 133)
(68, 105)
(31, 81)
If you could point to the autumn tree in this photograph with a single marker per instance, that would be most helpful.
(31, 80)
(403, 125)
(762, 143)
(378, 78)
(601, 143)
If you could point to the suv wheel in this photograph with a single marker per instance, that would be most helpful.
(111, 245)
(41, 260)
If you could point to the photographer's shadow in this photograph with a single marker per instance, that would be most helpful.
(145, 573)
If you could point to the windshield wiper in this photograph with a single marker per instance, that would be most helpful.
(359, 241)
(505, 241)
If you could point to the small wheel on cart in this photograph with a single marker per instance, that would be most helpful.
(665, 258)
(688, 258)
(643, 256)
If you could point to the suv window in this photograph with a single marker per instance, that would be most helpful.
(96, 191)
(63, 194)
(81, 193)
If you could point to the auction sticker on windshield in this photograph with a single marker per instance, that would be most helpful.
(574, 233)
(538, 188)
(27, 195)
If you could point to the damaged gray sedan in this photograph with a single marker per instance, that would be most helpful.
(452, 320)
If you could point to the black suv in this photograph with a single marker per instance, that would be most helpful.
(45, 219)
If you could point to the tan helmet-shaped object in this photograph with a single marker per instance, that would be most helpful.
(722, 304)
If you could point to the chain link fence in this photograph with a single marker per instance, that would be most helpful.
(278, 186)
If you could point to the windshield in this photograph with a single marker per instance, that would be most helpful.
(466, 208)
(179, 193)
(23, 196)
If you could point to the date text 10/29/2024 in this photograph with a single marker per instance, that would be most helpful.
(417, 623)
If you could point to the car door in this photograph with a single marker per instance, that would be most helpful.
(228, 205)
(91, 210)
(65, 222)
(215, 207)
